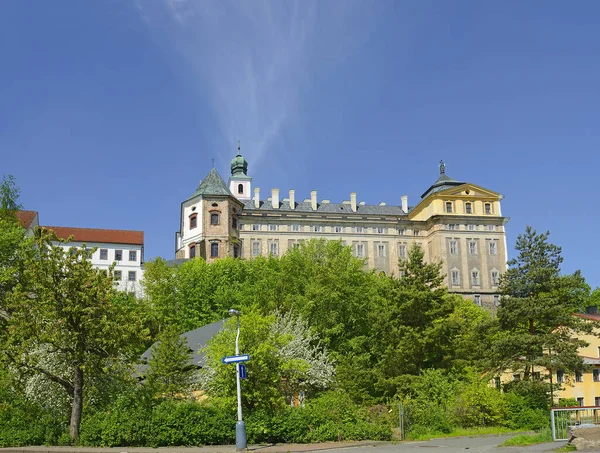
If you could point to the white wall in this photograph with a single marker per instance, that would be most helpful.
(125, 265)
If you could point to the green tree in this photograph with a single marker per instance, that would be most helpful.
(170, 368)
(285, 358)
(411, 332)
(73, 311)
(537, 326)
(9, 196)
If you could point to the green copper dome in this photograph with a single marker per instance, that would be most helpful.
(239, 165)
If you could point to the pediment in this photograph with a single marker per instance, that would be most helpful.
(469, 190)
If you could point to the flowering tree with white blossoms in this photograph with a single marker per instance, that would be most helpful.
(286, 358)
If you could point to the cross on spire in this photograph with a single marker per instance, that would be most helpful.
(442, 167)
(213, 163)
(239, 148)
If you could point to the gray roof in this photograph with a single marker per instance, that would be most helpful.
(197, 340)
(338, 208)
(213, 184)
(443, 182)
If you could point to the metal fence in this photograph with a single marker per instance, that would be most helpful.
(565, 418)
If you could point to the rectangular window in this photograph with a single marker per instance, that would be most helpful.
(471, 227)
(380, 250)
(131, 276)
(597, 401)
(359, 229)
(488, 208)
(117, 275)
(103, 254)
(580, 401)
(455, 277)
(317, 228)
(449, 206)
(193, 221)
(192, 251)
(536, 375)
(491, 227)
(401, 231)
(468, 208)
(477, 299)
(416, 232)
(272, 227)
(360, 250)
(453, 247)
(493, 247)
(560, 376)
(118, 255)
(295, 227)
(475, 278)
(214, 250)
(495, 277)
(214, 219)
(473, 247)
(380, 230)
(402, 252)
(234, 223)
(256, 227)
(338, 229)
(452, 226)
(596, 374)
(133, 255)
(255, 248)
(273, 249)
(578, 376)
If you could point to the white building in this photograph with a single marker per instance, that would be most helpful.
(124, 248)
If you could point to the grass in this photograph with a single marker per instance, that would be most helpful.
(567, 447)
(463, 432)
(545, 435)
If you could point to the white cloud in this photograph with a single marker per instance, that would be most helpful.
(251, 58)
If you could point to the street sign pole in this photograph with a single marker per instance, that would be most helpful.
(240, 426)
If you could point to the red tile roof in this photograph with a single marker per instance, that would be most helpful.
(99, 235)
(26, 217)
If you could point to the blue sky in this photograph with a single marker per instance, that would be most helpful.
(111, 111)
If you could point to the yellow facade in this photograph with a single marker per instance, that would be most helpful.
(583, 387)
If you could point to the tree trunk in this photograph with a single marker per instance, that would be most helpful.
(77, 407)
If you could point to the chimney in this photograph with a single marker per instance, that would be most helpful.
(353, 201)
(275, 198)
(292, 199)
(256, 197)
(405, 204)
(313, 200)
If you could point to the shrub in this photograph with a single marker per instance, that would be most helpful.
(23, 423)
(520, 415)
(478, 404)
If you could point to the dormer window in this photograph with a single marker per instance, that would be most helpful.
(468, 208)
(240, 188)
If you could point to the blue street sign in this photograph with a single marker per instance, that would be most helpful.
(236, 358)
(243, 372)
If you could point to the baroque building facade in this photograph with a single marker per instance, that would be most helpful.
(457, 223)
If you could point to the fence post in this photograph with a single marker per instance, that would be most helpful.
(552, 423)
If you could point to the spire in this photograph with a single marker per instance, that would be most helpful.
(239, 152)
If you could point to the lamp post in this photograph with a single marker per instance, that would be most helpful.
(240, 426)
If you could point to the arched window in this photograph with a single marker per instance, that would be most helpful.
(193, 221)
(240, 188)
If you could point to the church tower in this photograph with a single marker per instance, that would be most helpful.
(240, 185)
